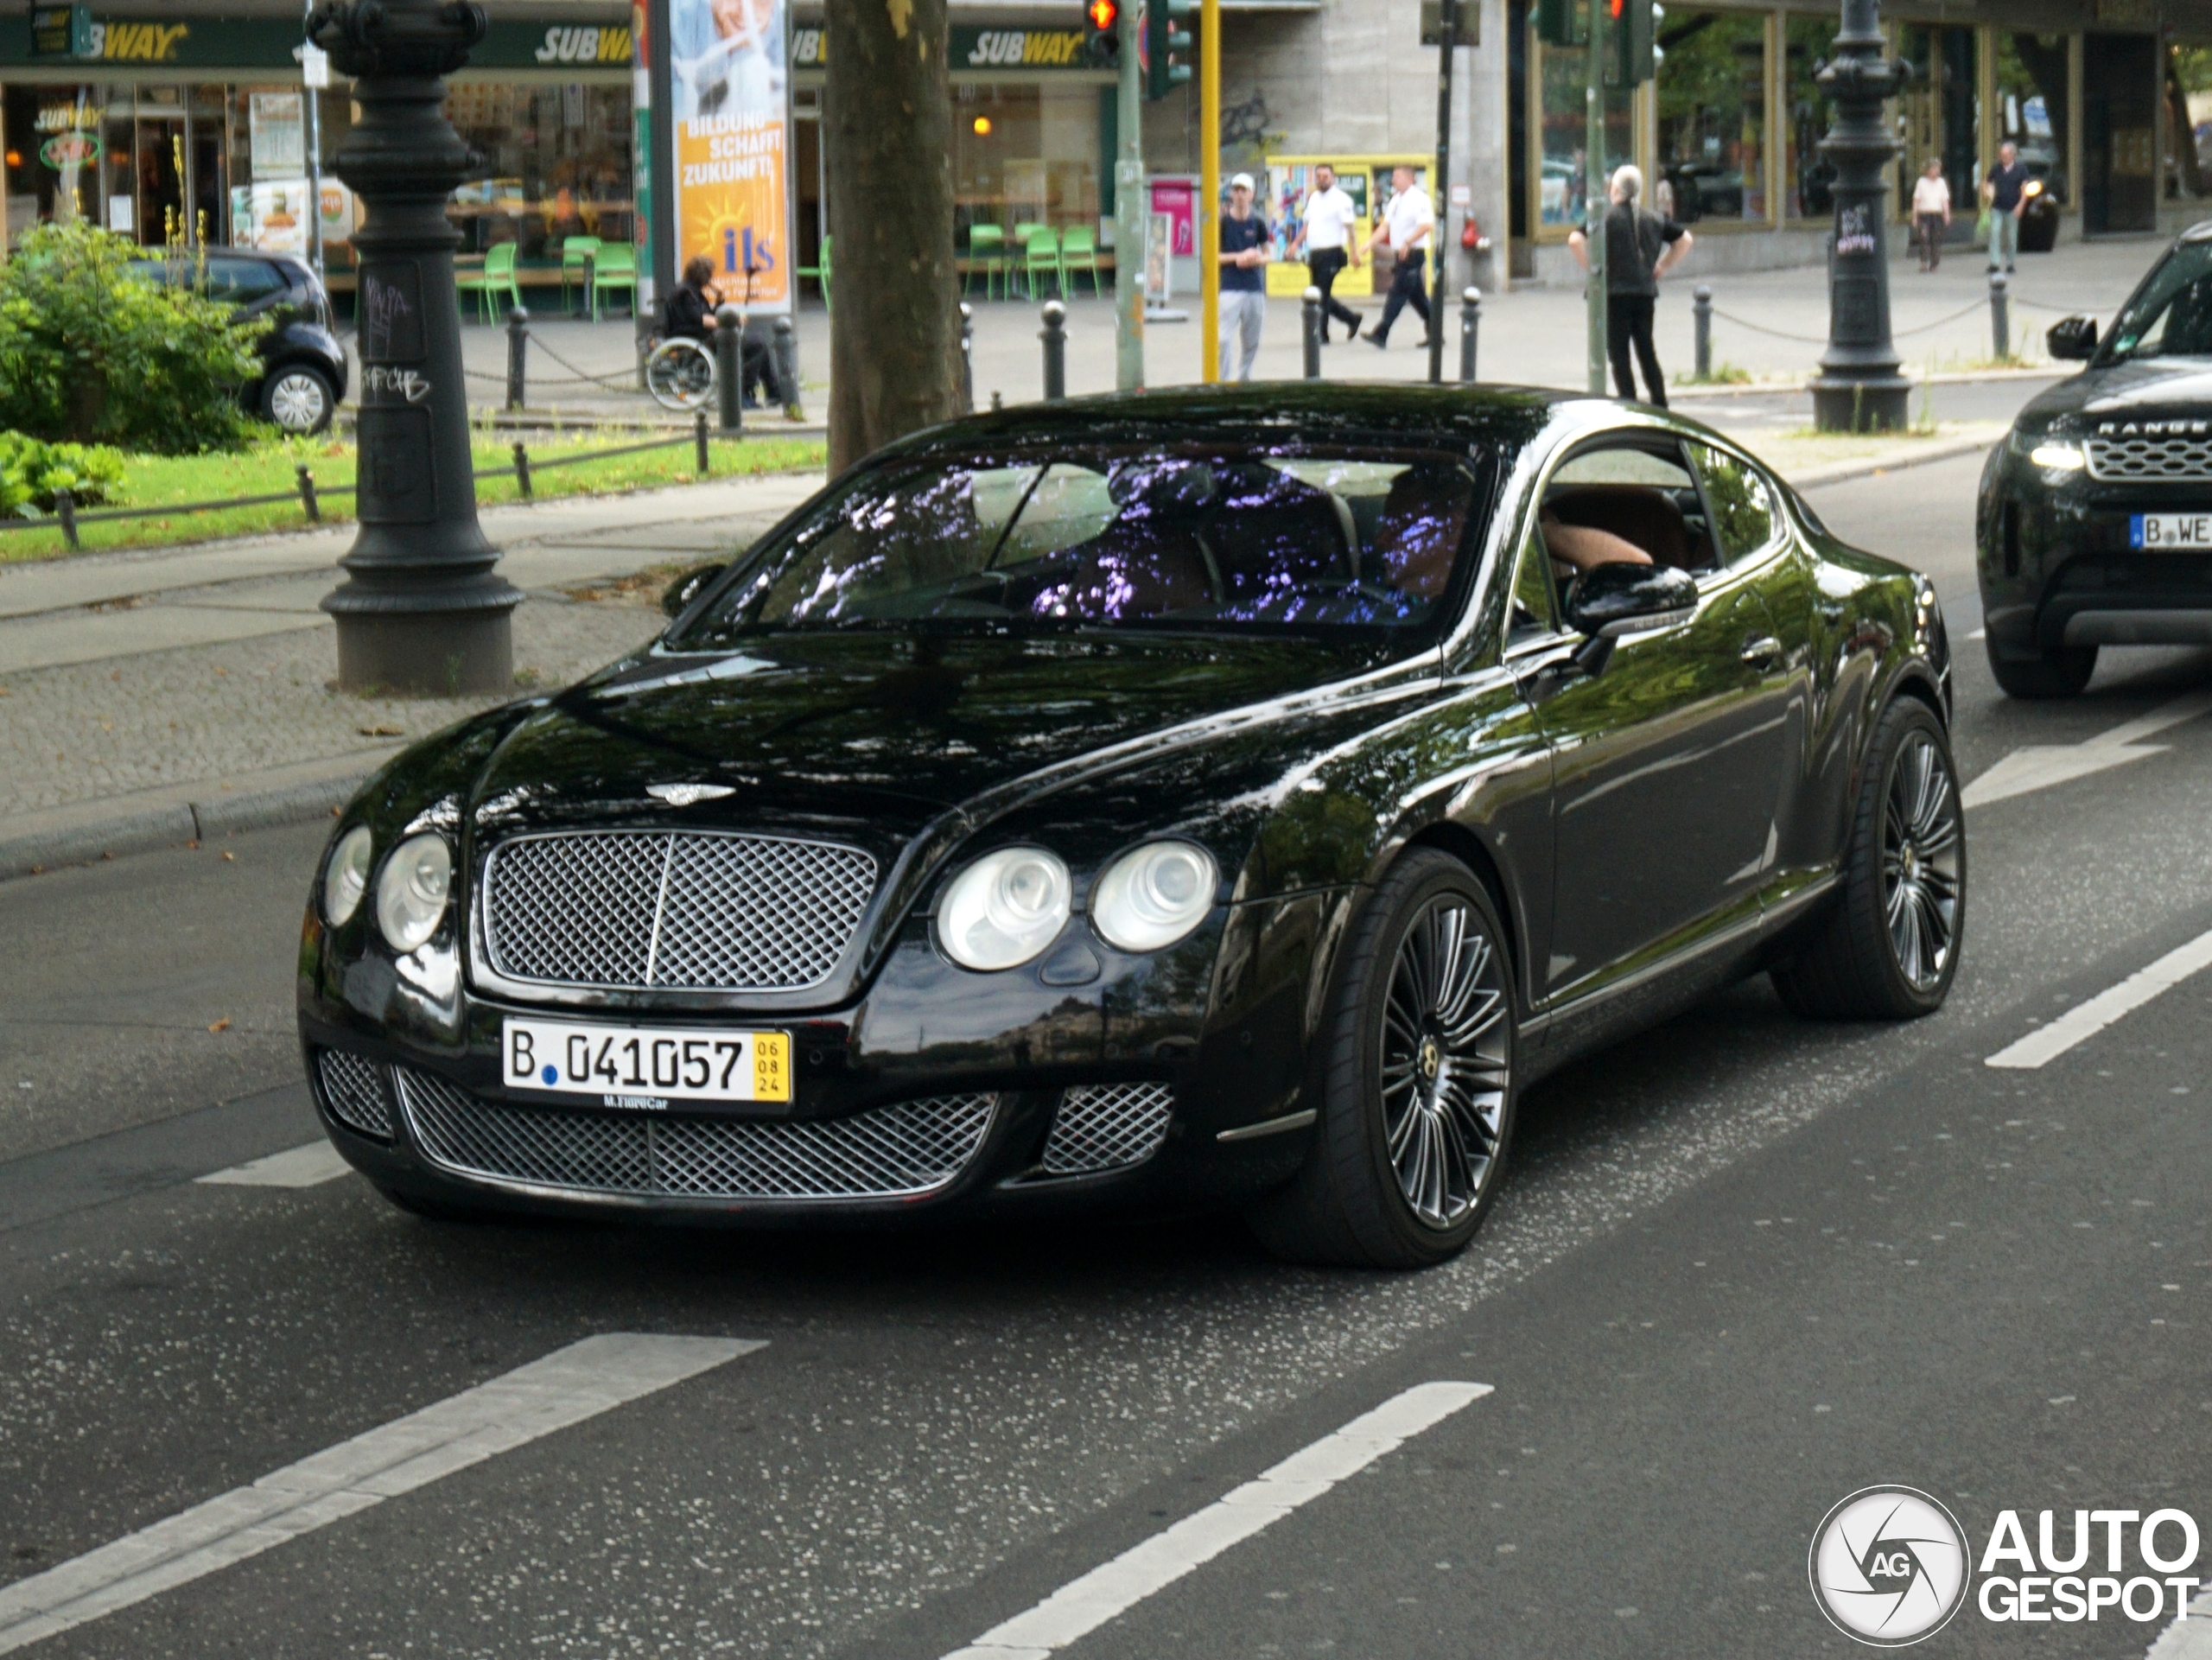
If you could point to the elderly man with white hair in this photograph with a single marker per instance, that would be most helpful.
(1640, 248)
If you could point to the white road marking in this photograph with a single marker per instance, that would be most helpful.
(303, 1167)
(2085, 1020)
(2189, 1638)
(2039, 765)
(564, 1387)
(1082, 1605)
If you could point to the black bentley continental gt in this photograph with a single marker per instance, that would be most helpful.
(1207, 797)
(2095, 524)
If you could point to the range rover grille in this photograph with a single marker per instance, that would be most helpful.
(2181, 459)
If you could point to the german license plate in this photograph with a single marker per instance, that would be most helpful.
(646, 1066)
(2156, 532)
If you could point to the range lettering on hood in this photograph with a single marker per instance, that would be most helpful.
(2153, 428)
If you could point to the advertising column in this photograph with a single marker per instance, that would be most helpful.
(731, 112)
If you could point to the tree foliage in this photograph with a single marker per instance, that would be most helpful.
(92, 350)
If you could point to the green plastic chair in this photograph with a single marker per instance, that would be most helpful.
(1040, 252)
(615, 267)
(497, 276)
(822, 271)
(1079, 252)
(575, 252)
(987, 254)
(1023, 230)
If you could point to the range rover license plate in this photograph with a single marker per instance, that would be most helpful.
(646, 1065)
(2157, 532)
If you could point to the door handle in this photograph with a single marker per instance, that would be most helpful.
(1762, 651)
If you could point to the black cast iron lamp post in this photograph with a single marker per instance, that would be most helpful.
(1859, 388)
(421, 611)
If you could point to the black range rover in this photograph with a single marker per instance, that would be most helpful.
(2094, 525)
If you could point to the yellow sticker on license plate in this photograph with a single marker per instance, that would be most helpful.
(646, 1067)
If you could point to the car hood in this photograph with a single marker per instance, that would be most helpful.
(2153, 389)
(873, 736)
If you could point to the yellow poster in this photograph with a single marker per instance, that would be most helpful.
(732, 121)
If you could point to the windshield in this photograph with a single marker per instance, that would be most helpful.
(1075, 538)
(2170, 316)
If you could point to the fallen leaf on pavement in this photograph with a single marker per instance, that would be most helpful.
(382, 732)
(223, 1025)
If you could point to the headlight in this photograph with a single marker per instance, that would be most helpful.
(412, 893)
(2059, 458)
(1154, 896)
(1004, 909)
(346, 878)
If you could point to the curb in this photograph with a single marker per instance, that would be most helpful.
(1814, 478)
(150, 830)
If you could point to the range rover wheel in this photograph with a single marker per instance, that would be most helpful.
(2062, 673)
(1417, 1108)
(1889, 948)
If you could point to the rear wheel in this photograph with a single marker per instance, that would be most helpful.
(1889, 949)
(680, 374)
(299, 399)
(2062, 673)
(1417, 1110)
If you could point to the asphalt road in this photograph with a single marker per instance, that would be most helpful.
(1745, 1266)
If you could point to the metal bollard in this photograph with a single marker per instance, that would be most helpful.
(967, 359)
(729, 373)
(1054, 333)
(65, 509)
(1312, 327)
(522, 471)
(699, 440)
(787, 365)
(1701, 309)
(2000, 316)
(312, 507)
(1470, 322)
(517, 355)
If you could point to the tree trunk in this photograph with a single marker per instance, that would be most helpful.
(894, 329)
(2184, 135)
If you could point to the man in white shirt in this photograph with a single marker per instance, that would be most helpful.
(1324, 228)
(1409, 224)
(1931, 213)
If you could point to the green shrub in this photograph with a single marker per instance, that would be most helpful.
(91, 350)
(31, 471)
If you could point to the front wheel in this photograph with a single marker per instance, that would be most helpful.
(1418, 1093)
(2062, 673)
(680, 374)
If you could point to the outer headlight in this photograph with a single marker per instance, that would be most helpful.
(1004, 909)
(412, 893)
(1154, 896)
(346, 878)
(2059, 457)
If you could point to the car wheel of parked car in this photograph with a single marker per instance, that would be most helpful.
(2062, 673)
(1890, 946)
(1418, 1093)
(299, 399)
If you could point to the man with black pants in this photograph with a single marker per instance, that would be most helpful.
(1640, 249)
(1325, 234)
(1408, 221)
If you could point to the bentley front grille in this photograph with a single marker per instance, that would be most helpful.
(632, 910)
(353, 1088)
(2153, 460)
(1107, 1127)
(902, 1151)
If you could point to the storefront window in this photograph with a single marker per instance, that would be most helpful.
(1807, 176)
(559, 165)
(1936, 117)
(1565, 123)
(1712, 84)
(1024, 155)
(2031, 103)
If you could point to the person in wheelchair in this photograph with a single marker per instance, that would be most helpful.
(690, 316)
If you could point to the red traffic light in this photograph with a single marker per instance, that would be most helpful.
(1104, 14)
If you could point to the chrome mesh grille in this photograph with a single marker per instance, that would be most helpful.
(1106, 1126)
(637, 909)
(899, 1151)
(353, 1090)
(2179, 459)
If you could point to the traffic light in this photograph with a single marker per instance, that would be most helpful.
(1101, 33)
(1560, 22)
(1168, 46)
(1634, 26)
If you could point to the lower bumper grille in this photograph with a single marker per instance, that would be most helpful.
(1107, 1127)
(901, 1151)
(353, 1088)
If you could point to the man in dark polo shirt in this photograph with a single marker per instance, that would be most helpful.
(1640, 248)
(2005, 189)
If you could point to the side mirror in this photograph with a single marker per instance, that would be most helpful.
(687, 588)
(1607, 602)
(2072, 339)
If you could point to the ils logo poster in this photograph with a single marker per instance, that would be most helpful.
(732, 129)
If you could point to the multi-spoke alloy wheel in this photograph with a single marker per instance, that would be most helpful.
(299, 400)
(1921, 877)
(1445, 1068)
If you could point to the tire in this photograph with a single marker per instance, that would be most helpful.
(299, 399)
(2062, 673)
(680, 375)
(1431, 1058)
(1889, 948)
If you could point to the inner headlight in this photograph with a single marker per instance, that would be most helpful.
(2059, 457)
(1151, 897)
(346, 878)
(412, 893)
(1004, 909)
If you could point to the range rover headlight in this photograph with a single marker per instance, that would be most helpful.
(346, 878)
(1151, 897)
(412, 893)
(1004, 909)
(2057, 457)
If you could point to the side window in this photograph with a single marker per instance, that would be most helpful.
(1533, 614)
(1743, 507)
(240, 280)
(1645, 496)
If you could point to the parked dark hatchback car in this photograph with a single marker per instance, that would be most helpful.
(303, 367)
(1204, 798)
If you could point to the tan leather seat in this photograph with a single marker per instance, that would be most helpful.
(1638, 513)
